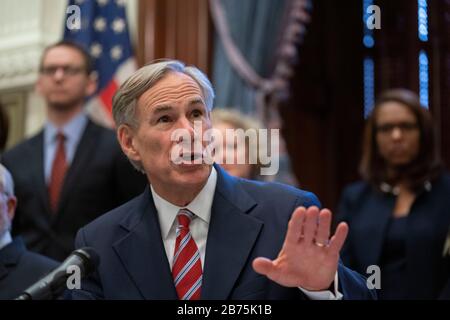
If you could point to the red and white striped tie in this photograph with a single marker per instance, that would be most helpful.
(187, 266)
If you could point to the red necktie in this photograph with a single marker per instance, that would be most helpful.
(59, 169)
(187, 266)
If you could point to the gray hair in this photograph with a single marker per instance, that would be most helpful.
(6, 182)
(6, 187)
(125, 99)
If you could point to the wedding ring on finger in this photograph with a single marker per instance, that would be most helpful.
(321, 245)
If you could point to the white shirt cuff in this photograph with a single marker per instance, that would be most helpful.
(326, 294)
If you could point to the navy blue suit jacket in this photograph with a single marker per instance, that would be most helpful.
(368, 212)
(20, 268)
(248, 219)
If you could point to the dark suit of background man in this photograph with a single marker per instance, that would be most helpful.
(73, 170)
(19, 268)
(197, 232)
(4, 128)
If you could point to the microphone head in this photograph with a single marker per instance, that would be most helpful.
(54, 283)
(90, 256)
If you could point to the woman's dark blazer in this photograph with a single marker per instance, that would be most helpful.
(367, 211)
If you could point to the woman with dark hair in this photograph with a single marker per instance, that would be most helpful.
(399, 215)
(4, 127)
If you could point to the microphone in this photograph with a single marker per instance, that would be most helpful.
(53, 285)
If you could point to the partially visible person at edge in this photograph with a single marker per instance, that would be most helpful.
(19, 268)
(399, 214)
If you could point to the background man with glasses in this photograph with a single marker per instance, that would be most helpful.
(73, 170)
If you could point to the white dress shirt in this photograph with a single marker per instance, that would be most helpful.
(201, 207)
(5, 239)
(73, 131)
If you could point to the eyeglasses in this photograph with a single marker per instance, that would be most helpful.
(403, 126)
(67, 70)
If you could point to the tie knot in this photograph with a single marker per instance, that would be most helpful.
(60, 137)
(184, 218)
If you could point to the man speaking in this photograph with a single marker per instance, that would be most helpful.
(197, 232)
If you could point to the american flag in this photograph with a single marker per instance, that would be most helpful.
(103, 32)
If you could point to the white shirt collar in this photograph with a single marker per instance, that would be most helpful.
(5, 240)
(200, 206)
(71, 130)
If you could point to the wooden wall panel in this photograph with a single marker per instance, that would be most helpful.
(177, 29)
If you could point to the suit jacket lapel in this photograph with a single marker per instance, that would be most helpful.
(10, 256)
(142, 252)
(370, 244)
(37, 169)
(231, 236)
(81, 159)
